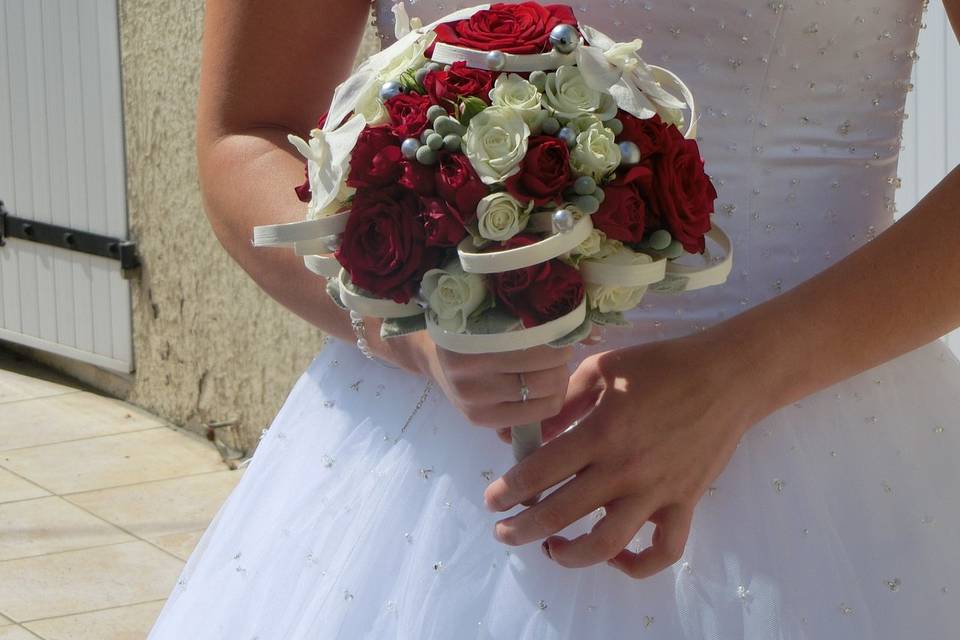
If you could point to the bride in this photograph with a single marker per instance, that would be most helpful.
(775, 458)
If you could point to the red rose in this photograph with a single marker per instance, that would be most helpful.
(442, 227)
(622, 215)
(460, 80)
(384, 245)
(511, 28)
(651, 135)
(459, 185)
(544, 173)
(303, 191)
(418, 177)
(376, 159)
(538, 293)
(682, 196)
(408, 113)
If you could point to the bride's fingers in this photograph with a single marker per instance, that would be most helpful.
(606, 539)
(552, 463)
(504, 434)
(510, 414)
(583, 392)
(505, 387)
(669, 541)
(535, 358)
(569, 503)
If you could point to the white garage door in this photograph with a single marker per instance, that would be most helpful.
(931, 135)
(62, 163)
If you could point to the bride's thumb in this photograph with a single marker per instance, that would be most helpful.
(583, 391)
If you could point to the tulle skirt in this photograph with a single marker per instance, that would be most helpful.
(361, 516)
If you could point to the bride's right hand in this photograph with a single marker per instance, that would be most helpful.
(486, 387)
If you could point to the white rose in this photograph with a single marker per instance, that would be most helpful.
(608, 247)
(495, 143)
(512, 91)
(569, 95)
(606, 298)
(596, 153)
(500, 216)
(591, 246)
(453, 295)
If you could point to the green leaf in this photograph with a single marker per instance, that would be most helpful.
(489, 302)
(469, 107)
(393, 327)
(333, 290)
(574, 336)
(610, 318)
(493, 321)
(409, 82)
(670, 284)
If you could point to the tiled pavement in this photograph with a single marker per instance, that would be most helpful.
(100, 504)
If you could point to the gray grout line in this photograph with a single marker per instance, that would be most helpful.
(80, 613)
(55, 394)
(102, 435)
(116, 486)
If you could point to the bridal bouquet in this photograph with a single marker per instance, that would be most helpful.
(505, 178)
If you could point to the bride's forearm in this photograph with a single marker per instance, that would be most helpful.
(894, 294)
(248, 180)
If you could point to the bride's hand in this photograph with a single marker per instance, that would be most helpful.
(661, 422)
(486, 387)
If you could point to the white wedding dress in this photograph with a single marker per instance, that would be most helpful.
(361, 513)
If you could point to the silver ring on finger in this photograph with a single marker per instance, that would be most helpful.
(524, 389)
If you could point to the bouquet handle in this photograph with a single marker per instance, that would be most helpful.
(526, 439)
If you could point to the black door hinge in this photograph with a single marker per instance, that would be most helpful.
(93, 244)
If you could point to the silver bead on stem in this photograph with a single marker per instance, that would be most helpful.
(409, 148)
(629, 153)
(496, 60)
(564, 38)
(563, 220)
(568, 135)
(390, 89)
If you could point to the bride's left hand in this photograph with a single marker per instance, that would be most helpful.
(657, 424)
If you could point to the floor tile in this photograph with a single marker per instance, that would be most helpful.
(13, 487)
(179, 544)
(16, 633)
(78, 581)
(23, 385)
(40, 421)
(123, 623)
(110, 461)
(4, 621)
(154, 509)
(50, 525)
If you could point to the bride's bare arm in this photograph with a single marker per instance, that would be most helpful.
(269, 69)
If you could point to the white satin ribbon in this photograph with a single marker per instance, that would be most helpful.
(326, 266)
(375, 307)
(552, 246)
(623, 275)
(692, 278)
(281, 235)
(448, 54)
(508, 341)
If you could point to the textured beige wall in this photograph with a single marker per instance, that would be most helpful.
(209, 345)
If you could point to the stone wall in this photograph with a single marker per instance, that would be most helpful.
(210, 347)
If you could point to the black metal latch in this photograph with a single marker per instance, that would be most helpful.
(124, 251)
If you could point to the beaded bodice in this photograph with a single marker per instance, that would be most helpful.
(801, 107)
